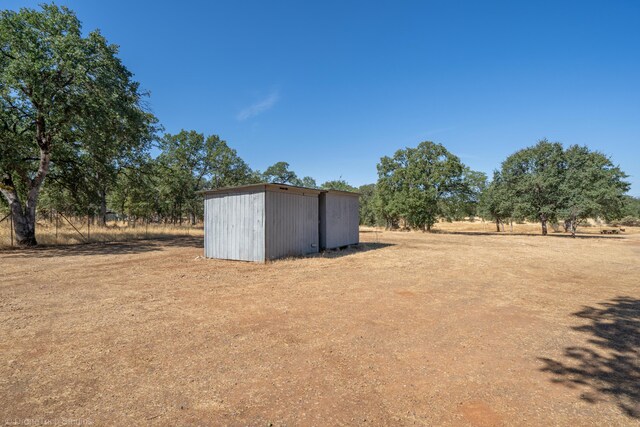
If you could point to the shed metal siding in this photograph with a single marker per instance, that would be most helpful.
(291, 225)
(234, 226)
(339, 220)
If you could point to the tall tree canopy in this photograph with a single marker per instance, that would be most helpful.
(280, 173)
(338, 184)
(65, 100)
(368, 212)
(422, 184)
(308, 182)
(227, 168)
(631, 206)
(547, 183)
(189, 162)
(534, 178)
(592, 187)
(495, 201)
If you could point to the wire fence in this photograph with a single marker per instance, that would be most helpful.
(56, 228)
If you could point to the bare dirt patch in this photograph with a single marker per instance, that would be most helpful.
(418, 329)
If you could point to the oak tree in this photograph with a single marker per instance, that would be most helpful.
(62, 95)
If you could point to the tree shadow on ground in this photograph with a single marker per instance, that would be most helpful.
(608, 367)
(106, 248)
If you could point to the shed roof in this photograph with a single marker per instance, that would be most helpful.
(342, 192)
(273, 187)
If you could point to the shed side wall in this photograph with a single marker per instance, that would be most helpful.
(322, 205)
(234, 226)
(291, 224)
(340, 221)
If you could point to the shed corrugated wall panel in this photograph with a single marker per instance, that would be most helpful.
(291, 224)
(234, 226)
(340, 219)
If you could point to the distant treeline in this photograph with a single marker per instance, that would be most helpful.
(76, 137)
(544, 183)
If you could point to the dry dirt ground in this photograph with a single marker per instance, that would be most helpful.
(409, 329)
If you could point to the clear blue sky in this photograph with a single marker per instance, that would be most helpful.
(332, 86)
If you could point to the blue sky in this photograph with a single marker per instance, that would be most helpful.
(330, 87)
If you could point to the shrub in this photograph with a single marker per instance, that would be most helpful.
(630, 221)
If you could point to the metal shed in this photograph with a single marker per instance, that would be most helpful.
(339, 219)
(261, 222)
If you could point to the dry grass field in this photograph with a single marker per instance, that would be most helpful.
(448, 328)
(76, 232)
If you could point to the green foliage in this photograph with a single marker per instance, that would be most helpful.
(279, 173)
(137, 193)
(630, 221)
(188, 163)
(496, 202)
(183, 168)
(534, 178)
(338, 184)
(423, 184)
(67, 104)
(308, 182)
(227, 169)
(464, 202)
(368, 211)
(546, 183)
(592, 187)
(631, 206)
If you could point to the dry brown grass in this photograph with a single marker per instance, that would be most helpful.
(410, 329)
(47, 235)
(479, 226)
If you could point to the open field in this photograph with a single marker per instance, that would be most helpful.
(411, 329)
(77, 232)
(48, 234)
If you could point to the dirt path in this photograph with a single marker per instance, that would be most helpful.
(420, 329)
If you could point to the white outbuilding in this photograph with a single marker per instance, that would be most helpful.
(261, 222)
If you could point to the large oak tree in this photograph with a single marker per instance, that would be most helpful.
(423, 184)
(547, 183)
(65, 98)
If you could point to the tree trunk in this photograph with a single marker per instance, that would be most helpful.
(498, 225)
(24, 224)
(24, 217)
(102, 220)
(429, 227)
(574, 226)
(392, 224)
(543, 221)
